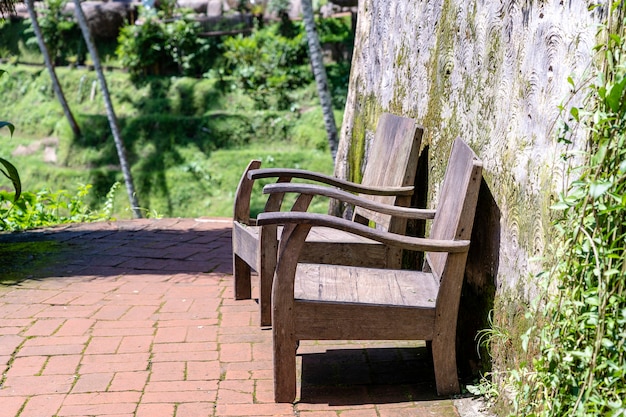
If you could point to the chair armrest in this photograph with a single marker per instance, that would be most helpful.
(286, 174)
(392, 239)
(311, 189)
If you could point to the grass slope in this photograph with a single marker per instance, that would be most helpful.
(188, 140)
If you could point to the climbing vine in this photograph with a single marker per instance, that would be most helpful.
(580, 369)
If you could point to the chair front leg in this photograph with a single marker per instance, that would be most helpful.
(268, 253)
(284, 367)
(444, 360)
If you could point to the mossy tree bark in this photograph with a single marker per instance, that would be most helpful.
(115, 129)
(56, 85)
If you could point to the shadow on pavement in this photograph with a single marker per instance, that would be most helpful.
(156, 247)
(368, 376)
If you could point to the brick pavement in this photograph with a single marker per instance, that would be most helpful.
(137, 318)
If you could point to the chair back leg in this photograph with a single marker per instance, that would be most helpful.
(242, 278)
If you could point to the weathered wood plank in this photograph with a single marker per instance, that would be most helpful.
(392, 161)
(246, 243)
(330, 321)
(345, 284)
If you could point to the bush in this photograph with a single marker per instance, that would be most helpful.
(60, 32)
(158, 47)
(48, 208)
(140, 48)
(7, 169)
(267, 65)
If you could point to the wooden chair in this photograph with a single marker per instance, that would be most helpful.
(388, 178)
(334, 302)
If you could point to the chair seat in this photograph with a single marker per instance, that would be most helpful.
(357, 285)
(324, 245)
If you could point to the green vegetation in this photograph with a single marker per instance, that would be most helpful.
(574, 342)
(165, 47)
(188, 139)
(268, 65)
(581, 369)
(47, 208)
(186, 153)
(60, 32)
(8, 169)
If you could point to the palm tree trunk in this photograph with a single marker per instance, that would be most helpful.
(113, 123)
(56, 85)
(319, 71)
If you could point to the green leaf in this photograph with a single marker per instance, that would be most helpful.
(9, 125)
(12, 174)
(615, 94)
(571, 81)
(561, 205)
(607, 343)
(598, 188)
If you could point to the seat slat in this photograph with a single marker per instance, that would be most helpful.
(346, 284)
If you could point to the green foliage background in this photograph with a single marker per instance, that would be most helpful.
(187, 138)
(186, 152)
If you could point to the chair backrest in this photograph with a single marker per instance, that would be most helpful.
(457, 201)
(392, 162)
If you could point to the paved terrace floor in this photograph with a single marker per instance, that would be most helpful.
(137, 318)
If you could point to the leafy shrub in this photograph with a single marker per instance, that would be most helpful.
(184, 46)
(267, 65)
(8, 169)
(60, 32)
(141, 48)
(158, 47)
(335, 30)
(339, 79)
(47, 208)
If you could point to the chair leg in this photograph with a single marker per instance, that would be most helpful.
(266, 278)
(444, 360)
(241, 272)
(265, 299)
(284, 368)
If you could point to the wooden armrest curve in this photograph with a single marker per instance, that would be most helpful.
(312, 189)
(392, 239)
(330, 180)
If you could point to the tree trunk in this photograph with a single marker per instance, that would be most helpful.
(56, 85)
(319, 71)
(115, 130)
